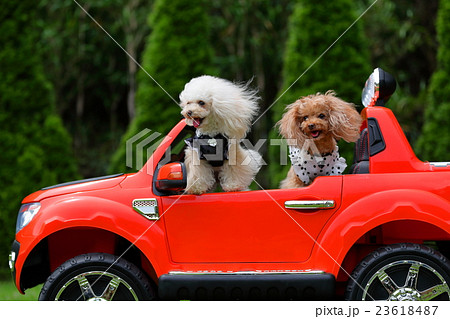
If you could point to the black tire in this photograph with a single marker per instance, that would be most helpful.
(406, 272)
(97, 276)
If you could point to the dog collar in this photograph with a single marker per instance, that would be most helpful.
(307, 167)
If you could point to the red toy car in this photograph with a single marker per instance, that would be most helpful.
(379, 232)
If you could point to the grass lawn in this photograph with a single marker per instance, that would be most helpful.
(8, 292)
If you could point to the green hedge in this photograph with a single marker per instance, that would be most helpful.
(35, 148)
(177, 49)
(434, 143)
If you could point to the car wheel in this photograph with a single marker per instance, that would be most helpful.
(401, 272)
(97, 277)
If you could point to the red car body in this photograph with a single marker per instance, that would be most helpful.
(401, 199)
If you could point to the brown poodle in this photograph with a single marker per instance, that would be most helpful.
(312, 125)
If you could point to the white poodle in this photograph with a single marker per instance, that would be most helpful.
(221, 112)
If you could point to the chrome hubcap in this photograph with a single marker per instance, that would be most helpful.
(407, 291)
(87, 287)
(405, 294)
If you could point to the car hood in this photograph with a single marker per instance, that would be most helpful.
(75, 186)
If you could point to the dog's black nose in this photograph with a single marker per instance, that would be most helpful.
(311, 126)
(189, 113)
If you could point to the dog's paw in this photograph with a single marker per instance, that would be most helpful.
(195, 192)
(196, 189)
(234, 187)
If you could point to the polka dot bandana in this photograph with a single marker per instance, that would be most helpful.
(308, 167)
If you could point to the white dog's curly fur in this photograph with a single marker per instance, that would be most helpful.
(216, 106)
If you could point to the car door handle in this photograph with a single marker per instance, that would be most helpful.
(309, 204)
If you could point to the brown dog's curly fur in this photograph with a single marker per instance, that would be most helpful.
(324, 118)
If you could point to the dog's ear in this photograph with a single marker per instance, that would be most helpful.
(234, 116)
(345, 121)
(289, 125)
(234, 106)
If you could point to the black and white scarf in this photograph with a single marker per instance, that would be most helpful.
(307, 167)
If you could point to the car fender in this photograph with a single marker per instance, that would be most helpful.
(345, 228)
(94, 212)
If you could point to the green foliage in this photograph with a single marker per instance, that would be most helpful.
(435, 140)
(177, 50)
(402, 40)
(313, 29)
(93, 78)
(248, 38)
(35, 147)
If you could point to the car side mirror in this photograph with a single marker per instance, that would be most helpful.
(171, 177)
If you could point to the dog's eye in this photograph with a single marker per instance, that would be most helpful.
(321, 116)
(201, 103)
(305, 118)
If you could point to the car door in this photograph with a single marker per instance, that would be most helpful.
(253, 226)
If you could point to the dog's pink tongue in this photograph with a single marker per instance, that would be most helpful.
(196, 123)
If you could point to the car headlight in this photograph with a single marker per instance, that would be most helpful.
(26, 214)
